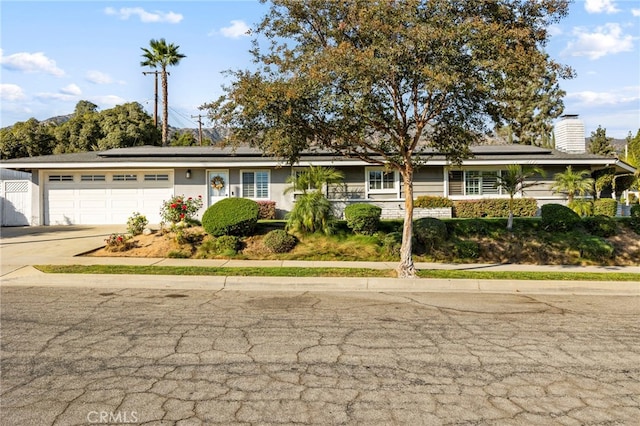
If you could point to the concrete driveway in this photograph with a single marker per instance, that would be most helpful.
(33, 245)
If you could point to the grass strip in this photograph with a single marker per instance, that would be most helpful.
(334, 272)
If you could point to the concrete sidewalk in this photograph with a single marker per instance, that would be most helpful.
(22, 247)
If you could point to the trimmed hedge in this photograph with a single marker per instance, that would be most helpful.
(267, 210)
(495, 207)
(602, 226)
(363, 218)
(432, 202)
(605, 207)
(635, 218)
(279, 241)
(556, 217)
(231, 216)
(429, 232)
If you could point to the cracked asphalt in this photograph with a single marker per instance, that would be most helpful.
(78, 356)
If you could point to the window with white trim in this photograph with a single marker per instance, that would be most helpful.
(381, 181)
(474, 182)
(255, 184)
(156, 177)
(125, 178)
(60, 178)
(92, 178)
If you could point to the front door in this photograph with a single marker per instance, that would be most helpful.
(218, 181)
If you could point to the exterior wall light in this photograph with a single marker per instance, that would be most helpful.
(188, 174)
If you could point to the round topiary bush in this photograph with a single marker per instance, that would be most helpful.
(556, 217)
(279, 241)
(363, 218)
(602, 226)
(429, 232)
(231, 216)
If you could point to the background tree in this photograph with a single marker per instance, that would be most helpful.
(600, 144)
(127, 125)
(572, 183)
(161, 55)
(392, 82)
(183, 139)
(81, 132)
(514, 180)
(26, 139)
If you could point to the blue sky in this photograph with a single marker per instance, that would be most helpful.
(54, 54)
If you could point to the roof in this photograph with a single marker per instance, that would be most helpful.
(245, 156)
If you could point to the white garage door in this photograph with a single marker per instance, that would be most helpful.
(96, 198)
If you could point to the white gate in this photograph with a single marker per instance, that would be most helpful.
(15, 199)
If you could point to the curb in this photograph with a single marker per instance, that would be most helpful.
(31, 277)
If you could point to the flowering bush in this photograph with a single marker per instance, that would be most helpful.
(178, 208)
(136, 223)
(118, 242)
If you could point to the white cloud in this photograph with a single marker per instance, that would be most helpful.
(606, 40)
(97, 77)
(11, 92)
(599, 6)
(108, 100)
(63, 97)
(615, 97)
(635, 12)
(146, 17)
(237, 29)
(30, 63)
(71, 89)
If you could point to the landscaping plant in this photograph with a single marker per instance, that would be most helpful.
(136, 223)
(180, 209)
(231, 216)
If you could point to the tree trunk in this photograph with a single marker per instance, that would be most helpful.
(406, 268)
(510, 219)
(165, 107)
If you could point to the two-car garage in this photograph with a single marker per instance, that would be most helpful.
(95, 197)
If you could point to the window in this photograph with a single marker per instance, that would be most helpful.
(60, 178)
(380, 181)
(255, 184)
(92, 178)
(125, 178)
(156, 177)
(473, 182)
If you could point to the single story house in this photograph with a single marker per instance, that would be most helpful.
(108, 187)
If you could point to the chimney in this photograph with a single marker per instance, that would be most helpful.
(569, 134)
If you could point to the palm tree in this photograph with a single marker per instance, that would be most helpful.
(312, 211)
(573, 182)
(161, 55)
(514, 180)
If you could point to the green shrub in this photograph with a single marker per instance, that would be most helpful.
(363, 218)
(582, 207)
(605, 207)
(279, 241)
(392, 243)
(136, 223)
(178, 254)
(467, 249)
(118, 242)
(602, 226)
(495, 207)
(468, 227)
(231, 216)
(595, 248)
(429, 232)
(432, 202)
(311, 213)
(635, 218)
(226, 244)
(556, 217)
(267, 210)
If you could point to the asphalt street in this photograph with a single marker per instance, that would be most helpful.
(81, 355)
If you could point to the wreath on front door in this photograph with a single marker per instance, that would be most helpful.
(217, 182)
